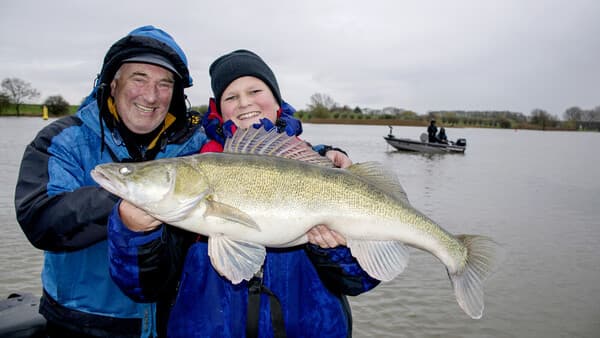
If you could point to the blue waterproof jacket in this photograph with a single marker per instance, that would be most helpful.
(63, 211)
(309, 282)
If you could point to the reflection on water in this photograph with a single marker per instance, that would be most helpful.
(534, 192)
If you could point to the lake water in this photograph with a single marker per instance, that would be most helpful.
(537, 193)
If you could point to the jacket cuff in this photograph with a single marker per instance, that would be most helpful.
(340, 255)
(122, 237)
(322, 149)
(339, 270)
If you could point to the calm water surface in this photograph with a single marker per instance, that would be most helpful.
(537, 193)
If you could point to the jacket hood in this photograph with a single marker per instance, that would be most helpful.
(142, 41)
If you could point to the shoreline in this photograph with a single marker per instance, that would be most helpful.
(375, 122)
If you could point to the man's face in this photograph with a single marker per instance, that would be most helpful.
(142, 94)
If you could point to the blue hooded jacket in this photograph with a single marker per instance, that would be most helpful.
(63, 211)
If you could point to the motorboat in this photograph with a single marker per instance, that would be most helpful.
(424, 146)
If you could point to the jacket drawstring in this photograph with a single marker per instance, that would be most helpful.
(102, 101)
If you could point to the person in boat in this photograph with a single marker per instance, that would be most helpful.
(302, 288)
(432, 132)
(136, 111)
(441, 136)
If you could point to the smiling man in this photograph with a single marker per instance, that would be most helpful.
(135, 112)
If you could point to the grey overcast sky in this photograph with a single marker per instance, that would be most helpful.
(423, 55)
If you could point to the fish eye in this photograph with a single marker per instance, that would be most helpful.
(125, 171)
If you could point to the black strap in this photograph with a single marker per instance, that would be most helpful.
(253, 308)
(255, 289)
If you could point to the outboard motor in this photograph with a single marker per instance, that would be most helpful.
(461, 142)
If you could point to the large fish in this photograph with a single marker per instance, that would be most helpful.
(268, 190)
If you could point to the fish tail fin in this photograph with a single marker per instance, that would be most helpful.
(483, 255)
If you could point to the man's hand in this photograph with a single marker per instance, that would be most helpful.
(322, 236)
(339, 159)
(136, 219)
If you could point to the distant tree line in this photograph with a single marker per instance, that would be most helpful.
(322, 106)
(14, 93)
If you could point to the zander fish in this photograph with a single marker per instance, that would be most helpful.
(268, 189)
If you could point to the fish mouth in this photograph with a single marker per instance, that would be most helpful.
(113, 186)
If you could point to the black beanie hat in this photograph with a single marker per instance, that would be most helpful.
(236, 64)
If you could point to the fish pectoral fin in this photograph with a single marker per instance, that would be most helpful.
(383, 260)
(235, 260)
(233, 214)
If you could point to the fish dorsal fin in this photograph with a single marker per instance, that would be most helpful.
(381, 177)
(271, 143)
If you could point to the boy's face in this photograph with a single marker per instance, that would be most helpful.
(247, 100)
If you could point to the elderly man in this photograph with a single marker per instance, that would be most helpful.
(135, 112)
